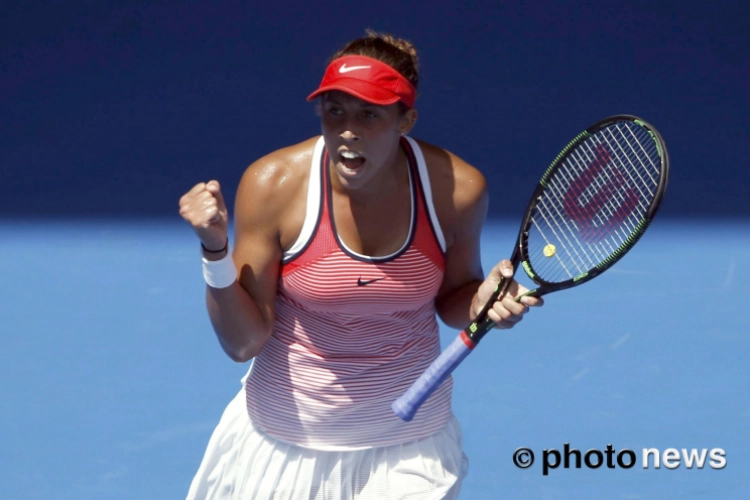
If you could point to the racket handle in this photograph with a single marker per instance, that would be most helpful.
(407, 405)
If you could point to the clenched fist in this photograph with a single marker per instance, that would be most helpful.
(204, 208)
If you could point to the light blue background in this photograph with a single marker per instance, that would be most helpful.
(113, 379)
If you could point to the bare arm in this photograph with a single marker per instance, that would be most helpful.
(463, 267)
(465, 289)
(243, 313)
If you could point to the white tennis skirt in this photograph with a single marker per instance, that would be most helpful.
(242, 462)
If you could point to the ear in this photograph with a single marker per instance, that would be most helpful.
(407, 121)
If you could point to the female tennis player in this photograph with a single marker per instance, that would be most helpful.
(347, 246)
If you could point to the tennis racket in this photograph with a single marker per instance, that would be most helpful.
(589, 209)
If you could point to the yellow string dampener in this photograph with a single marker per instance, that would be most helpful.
(549, 250)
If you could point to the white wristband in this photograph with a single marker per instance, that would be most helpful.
(220, 273)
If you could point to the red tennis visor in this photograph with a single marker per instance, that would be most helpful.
(368, 79)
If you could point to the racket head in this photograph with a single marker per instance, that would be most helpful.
(593, 203)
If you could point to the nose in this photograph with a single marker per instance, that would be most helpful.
(350, 131)
(348, 135)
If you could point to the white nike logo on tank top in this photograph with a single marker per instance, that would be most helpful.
(352, 332)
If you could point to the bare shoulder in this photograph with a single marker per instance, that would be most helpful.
(459, 189)
(277, 172)
(273, 189)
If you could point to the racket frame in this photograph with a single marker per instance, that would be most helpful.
(481, 324)
(406, 406)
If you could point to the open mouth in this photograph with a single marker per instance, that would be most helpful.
(351, 159)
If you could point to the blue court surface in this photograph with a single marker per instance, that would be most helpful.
(112, 379)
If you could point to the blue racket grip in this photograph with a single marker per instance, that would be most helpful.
(407, 405)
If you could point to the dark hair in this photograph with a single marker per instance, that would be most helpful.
(397, 53)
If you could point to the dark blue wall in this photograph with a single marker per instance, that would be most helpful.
(117, 108)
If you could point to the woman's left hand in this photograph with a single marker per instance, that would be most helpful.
(505, 312)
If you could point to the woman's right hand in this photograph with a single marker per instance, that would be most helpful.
(204, 208)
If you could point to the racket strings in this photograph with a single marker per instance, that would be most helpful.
(600, 184)
(634, 162)
(597, 185)
(597, 253)
(594, 202)
(635, 167)
(603, 182)
(551, 214)
(575, 241)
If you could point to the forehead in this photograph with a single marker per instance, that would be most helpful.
(342, 98)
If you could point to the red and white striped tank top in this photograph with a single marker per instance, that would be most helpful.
(352, 332)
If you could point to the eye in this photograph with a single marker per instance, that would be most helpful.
(333, 110)
(369, 114)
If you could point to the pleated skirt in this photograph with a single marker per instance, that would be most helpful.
(243, 463)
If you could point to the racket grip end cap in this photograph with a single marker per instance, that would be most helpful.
(402, 411)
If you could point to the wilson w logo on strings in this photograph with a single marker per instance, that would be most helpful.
(596, 200)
